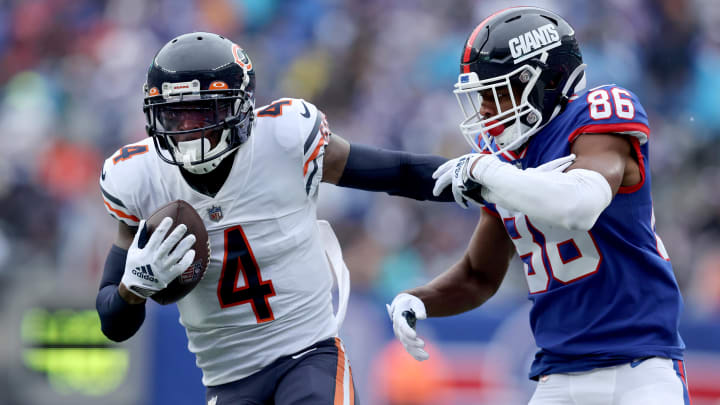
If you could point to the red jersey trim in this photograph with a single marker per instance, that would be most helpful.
(619, 128)
(473, 36)
(641, 163)
(609, 129)
(491, 212)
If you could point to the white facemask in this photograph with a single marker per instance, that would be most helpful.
(511, 128)
(190, 151)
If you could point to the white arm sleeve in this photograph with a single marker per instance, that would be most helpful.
(572, 200)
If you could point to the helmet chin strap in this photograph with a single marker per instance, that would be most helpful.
(190, 151)
(519, 129)
(580, 70)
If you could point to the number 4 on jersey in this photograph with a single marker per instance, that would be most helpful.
(239, 259)
(275, 109)
(129, 151)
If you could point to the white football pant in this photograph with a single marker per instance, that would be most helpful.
(655, 381)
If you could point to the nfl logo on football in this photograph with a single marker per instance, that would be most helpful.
(192, 273)
(215, 213)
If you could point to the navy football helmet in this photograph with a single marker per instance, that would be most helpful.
(527, 54)
(199, 100)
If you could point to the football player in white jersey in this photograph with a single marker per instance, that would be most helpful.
(260, 322)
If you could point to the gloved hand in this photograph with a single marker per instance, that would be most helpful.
(151, 268)
(455, 172)
(403, 311)
(467, 183)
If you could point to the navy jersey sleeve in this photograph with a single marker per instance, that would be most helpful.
(490, 209)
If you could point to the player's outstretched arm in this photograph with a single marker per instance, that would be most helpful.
(466, 285)
(374, 169)
(570, 197)
(575, 198)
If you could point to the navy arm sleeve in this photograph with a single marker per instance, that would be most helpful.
(394, 172)
(119, 320)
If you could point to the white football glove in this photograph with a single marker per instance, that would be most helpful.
(466, 184)
(404, 311)
(455, 172)
(151, 268)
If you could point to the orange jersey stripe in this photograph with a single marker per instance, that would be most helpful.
(340, 376)
(352, 386)
(120, 213)
(315, 153)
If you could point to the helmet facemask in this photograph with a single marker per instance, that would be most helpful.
(527, 64)
(513, 123)
(198, 130)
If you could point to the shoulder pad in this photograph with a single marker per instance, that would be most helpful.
(606, 109)
(295, 122)
(123, 173)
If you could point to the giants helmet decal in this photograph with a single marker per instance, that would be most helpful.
(526, 55)
(199, 100)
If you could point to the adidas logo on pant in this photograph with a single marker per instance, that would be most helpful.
(145, 273)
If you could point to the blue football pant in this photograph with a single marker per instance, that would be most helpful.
(319, 374)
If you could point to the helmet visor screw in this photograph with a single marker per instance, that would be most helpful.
(524, 76)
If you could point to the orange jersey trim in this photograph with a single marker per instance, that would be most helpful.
(315, 153)
(339, 378)
(120, 213)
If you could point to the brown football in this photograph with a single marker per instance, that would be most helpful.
(183, 213)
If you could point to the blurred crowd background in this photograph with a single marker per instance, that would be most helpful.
(71, 75)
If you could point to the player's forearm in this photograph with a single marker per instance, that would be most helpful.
(396, 173)
(456, 291)
(129, 296)
(572, 200)
(119, 320)
(120, 317)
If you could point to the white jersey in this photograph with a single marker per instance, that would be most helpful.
(267, 289)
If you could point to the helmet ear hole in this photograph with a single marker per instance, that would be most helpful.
(554, 81)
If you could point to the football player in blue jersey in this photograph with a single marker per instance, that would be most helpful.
(605, 301)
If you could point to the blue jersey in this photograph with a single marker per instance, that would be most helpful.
(605, 296)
